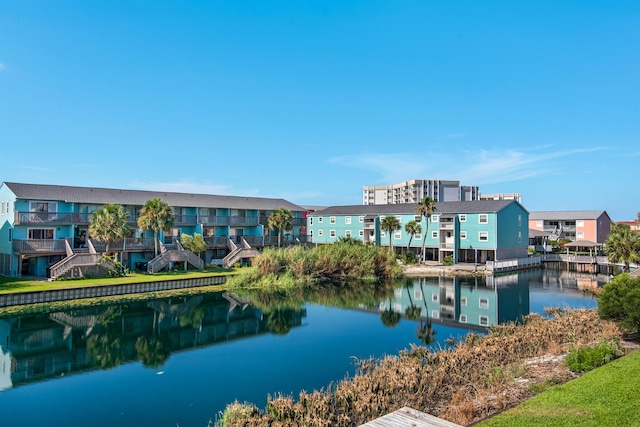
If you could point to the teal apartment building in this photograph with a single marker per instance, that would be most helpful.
(41, 225)
(468, 231)
(462, 302)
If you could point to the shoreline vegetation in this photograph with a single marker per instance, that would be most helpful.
(471, 381)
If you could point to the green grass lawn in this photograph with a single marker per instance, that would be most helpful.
(13, 285)
(606, 396)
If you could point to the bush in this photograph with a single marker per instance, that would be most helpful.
(619, 301)
(587, 358)
(448, 260)
(409, 258)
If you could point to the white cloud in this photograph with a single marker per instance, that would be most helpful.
(468, 167)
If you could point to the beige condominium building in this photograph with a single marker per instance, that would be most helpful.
(417, 189)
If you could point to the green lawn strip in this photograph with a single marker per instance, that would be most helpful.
(12, 285)
(606, 396)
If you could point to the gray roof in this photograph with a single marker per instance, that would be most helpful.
(100, 196)
(475, 206)
(565, 215)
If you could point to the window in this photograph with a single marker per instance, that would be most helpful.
(580, 223)
(397, 235)
(484, 321)
(434, 297)
(347, 233)
(539, 223)
(41, 233)
(483, 236)
(347, 220)
(320, 220)
(361, 233)
(417, 294)
(483, 219)
(332, 220)
(519, 220)
(320, 233)
(310, 233)
(2, 209)
(463, 235)
(519, 236)
(383, 233)
(463, 217)
(463, 318)
(435, 314)
(434, 234)
(417, 218)
(360, 219)
(484, 302)
(580, 234)
(397, 293)
(463, 301)
(310, 220)
(435, 218)
(332, 233)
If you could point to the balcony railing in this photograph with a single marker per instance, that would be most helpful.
(216, 241)
(243, 220)
(51, 218)
(33, 246)
(185, 219)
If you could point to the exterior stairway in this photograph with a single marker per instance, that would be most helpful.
(76, 261)
(238, 252)
(174, 255)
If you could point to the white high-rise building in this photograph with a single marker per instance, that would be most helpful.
(417, 189)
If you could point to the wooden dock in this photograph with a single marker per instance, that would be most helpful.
(407, 417)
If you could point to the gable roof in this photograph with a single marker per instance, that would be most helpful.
(100, 196)
(475, 206)
(566, 215)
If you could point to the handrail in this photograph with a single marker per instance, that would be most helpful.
(159, 262)
(73, 261)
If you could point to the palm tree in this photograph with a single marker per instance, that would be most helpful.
(622, 245)
(108, 224)
(412, 228)
(390, 224)
(280, 219)
(390, 318)
(156, 215)
(426, 207)
(412, 312)
(425, 331)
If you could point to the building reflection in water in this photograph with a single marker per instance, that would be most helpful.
(49, 345)
(462, 302)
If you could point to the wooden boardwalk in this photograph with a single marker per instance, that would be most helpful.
(407, 417)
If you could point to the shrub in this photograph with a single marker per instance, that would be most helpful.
(619, 301)
(448, 260)
(583, 359)
(409, 258)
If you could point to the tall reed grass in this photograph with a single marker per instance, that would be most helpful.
(451, 383)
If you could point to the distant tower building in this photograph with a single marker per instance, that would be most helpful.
(417, 189)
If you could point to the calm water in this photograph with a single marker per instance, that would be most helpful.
(179, 361)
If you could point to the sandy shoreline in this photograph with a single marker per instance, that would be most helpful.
(416, 270)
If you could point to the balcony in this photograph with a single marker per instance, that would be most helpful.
(185, 220)
(216, 241)
(51, 218)
(243, 221)
(40, 246)
(446, 224)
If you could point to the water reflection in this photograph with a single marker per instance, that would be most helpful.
(120, 346)
(50, 345)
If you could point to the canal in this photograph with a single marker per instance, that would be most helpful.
(179, 361)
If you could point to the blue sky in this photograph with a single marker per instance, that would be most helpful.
(311, 100)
